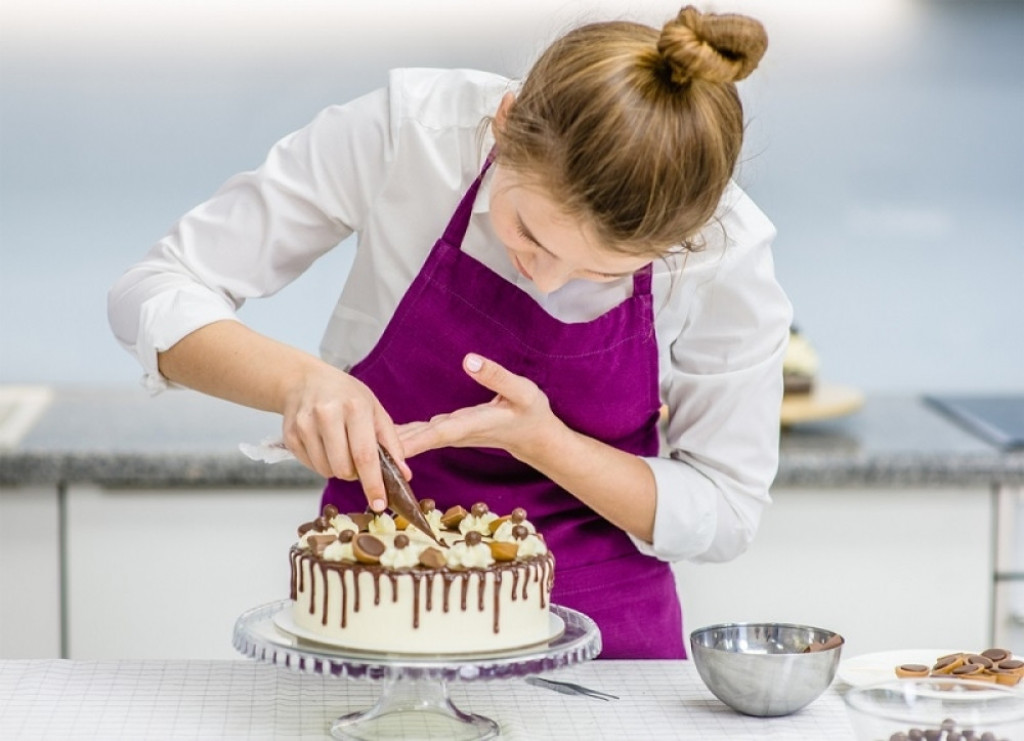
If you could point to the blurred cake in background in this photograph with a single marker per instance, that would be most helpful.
(800, 365)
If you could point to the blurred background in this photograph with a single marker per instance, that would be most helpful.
(885, 142)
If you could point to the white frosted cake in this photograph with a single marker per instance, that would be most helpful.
(376, 583)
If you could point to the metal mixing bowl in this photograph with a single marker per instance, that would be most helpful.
(761, 668)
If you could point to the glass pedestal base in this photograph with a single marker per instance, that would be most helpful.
(414, 701)
(418, 708)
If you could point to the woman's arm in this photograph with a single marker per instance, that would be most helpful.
(332, 421)
(257, 233)
(175, 310)
(520, 421)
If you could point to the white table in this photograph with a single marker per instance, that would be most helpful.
(58, 699)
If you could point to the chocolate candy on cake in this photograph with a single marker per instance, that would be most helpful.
(371, 582)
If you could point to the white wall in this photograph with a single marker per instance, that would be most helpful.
(883, 141)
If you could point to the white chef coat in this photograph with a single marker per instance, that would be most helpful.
(390, 167)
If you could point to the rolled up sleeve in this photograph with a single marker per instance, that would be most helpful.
(256, 234)
(723, 388)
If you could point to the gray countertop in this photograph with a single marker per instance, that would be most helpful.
(125, 438)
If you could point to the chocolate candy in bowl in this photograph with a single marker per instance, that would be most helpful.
(766, 669)
(936, 708)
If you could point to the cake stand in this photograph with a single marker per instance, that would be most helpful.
(414, 701)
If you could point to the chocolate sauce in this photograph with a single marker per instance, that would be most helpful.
(344, 599)
(323, 577)
(448, 577)
(497, 597)
(416, 578)
(430, 592)
(312, 589)
(539, 570)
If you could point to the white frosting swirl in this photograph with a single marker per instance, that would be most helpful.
(434, 520)
(382, 524)
(465, 556)
(338, 551)
(343, 522)
(504, 531)
(531, 545)
(402, 558)
(480, 524)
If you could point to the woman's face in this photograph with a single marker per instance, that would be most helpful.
(546, 246)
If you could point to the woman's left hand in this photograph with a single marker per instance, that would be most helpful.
(515, 420)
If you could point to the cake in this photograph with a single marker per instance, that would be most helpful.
(376, 583)
(799, 365)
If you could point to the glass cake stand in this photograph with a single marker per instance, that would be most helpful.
(414, 697)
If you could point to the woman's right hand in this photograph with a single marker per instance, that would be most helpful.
(333, 423)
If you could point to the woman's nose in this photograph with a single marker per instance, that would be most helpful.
(549, 275)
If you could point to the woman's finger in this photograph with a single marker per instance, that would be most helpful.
(361, 435)
(499, 379)
(336, 450)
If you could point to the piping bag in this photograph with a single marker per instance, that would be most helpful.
(401, 500)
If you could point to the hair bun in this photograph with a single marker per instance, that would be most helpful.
(710, 46)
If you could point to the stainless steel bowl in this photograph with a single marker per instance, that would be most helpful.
(761, 668)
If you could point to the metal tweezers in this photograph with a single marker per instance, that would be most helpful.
(568, 688)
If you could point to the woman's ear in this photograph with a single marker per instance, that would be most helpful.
(501, 115)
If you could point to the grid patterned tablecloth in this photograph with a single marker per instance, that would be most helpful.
(57, 699)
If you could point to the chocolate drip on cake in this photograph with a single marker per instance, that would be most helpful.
(416, 579)
(497, 599)
(448, 579)
(538, 570)
(312, 589)
(430, 592)
(344, 599)
(502, 554)
(323, 576)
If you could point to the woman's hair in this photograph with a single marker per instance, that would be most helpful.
(635, 130)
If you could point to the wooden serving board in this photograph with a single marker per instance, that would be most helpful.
(823, 402)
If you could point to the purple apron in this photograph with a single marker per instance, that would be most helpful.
(601, 378)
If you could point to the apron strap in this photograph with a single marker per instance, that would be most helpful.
(642, 280)
(455, 232)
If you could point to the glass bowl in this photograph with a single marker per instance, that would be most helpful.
(935, 708)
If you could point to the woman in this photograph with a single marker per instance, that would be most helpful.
(526, 294)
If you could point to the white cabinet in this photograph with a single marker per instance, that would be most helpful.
(165, 573)
(888, 569)
(30, 612)
(1009, 570)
